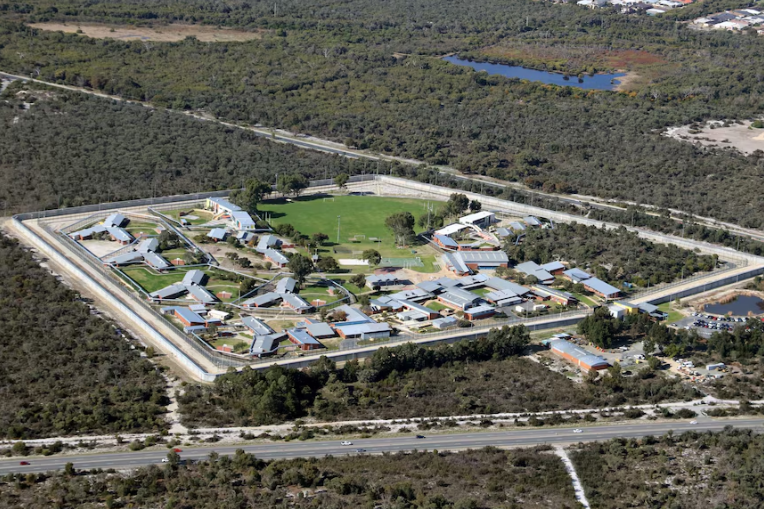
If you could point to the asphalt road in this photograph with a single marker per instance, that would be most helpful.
(455, 441)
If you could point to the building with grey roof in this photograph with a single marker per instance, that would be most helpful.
(258, 327)
(576, 275)
(366, 330)
(483, 259)
(479, 312)
(267, 242)
(241, 220)
(120, 235)
(201, 294)
(554, 268)
(217, 234)
(430, 286)
(266, 344)
(352, 314)
(295, 302)
(445, 322)
(276, 258)
(286, 285)
(221, 205)
(517, 226)
(445, 242)
(601, 288)
(535, 270)
(500, 297)
(383, 281)
(447, 282)
(244, 236)
(545, 292)
(532, 221)
(502, 284)
(503, 232)
(264, 300)
(320, 330)
(458, 298)
(303, 340)
(149, 245)
(474, 281)
(193, 277)
(115, 220)
(125, 259)
(415, 294)
(169, 292)
(156, 261)
(455, 263)
(577, 355)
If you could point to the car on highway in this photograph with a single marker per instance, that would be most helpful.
(346, 442)
(577, 430)
(23, 463)
(177, 450)
(693, 422)
(360, 450)
(420, 436)
(165, 460)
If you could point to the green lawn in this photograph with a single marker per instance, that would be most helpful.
(204, 216)
(482, 292)
(436, 306)
(673, 316)
(359, 215)
(152, 281)
(311, 292)
(237, 345)
(585, 300)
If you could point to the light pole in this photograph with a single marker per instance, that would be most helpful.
(338, 229)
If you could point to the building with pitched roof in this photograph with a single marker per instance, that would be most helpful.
(576, 275)
(535, 270)
(583, 359)
(479, 312)
(276, 258)
(601, 288)
(221, 206)
(217, 234)
(286, 285)
(303, 340)
(241, 220)
(458, 299)
(482, 219)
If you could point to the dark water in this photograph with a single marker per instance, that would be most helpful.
(596, 82)
(741, 306)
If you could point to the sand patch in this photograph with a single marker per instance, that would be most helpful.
(163, 33)
(741, 136)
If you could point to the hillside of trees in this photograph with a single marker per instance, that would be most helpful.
(684, 471)
(479, 479)
(64, 371)
(612, 255)
(331, 71)
(69, 149)
(483, 376)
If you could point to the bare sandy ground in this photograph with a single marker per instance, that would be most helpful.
(737, 136)
(166, 33)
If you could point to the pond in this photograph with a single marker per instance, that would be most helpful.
(596, 82)
(740, 306)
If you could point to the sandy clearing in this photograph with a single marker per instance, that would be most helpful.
(165, 33)
(737, 136)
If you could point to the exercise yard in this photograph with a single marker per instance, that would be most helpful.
(362, 223)
(151, 281)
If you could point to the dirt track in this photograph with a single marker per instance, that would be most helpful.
(166, 33)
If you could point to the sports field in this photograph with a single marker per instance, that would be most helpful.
(361, 219)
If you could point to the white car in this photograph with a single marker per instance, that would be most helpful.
(577, 430)
(693, 422)
(165, 460)
(346, 443)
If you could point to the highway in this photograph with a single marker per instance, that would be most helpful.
(441, 442)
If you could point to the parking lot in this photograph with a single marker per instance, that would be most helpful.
(706, 325)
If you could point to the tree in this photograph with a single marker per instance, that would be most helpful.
(254, 192)
(372, 256)
(328, 264)
(319, 238)
(475, 206)
(292, 184)
(359, 280)
(456, 204)
(600, 327)
(341, 179)
(402, 226)
(300, 266)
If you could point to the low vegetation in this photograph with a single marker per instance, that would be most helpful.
(616, 256)
(484, 376)
(485, 479)
(683, 472)
(65, 371)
